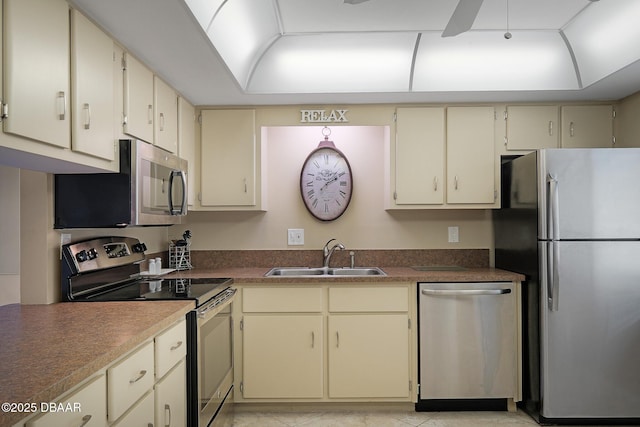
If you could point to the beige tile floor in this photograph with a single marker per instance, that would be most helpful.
(373, 417)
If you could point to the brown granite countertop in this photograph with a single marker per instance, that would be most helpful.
(255, 275)
(46, 350)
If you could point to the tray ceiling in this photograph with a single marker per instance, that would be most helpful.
(229, 52)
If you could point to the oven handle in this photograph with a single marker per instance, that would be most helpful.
(205, 312)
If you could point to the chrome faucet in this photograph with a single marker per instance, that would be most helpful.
(328, 252)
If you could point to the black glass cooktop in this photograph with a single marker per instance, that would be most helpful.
(200, 290)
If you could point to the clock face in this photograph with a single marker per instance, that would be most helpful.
(326, 183)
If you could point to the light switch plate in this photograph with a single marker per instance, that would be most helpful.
(454, 234)
(295, 236)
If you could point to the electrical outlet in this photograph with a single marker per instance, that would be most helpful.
(295, 236)
(454, 234)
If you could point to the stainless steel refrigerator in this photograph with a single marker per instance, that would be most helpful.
(570, 221)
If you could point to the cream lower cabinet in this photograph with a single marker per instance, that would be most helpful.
(171, 398)
(283, 356)
(84, 407)
(146, 387)
(286, 354)
(368, 342)
(282, 341)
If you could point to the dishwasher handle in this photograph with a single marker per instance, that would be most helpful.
(465, 292)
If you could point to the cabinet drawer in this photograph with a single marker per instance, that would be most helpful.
(170, 348)
(368, 299)
(282, 300)
(128, 380)
(85, 407)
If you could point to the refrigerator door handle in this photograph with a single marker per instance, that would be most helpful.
(553, 253)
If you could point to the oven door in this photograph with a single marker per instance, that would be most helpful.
(211, 363)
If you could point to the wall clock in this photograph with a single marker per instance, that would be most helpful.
(326, 183)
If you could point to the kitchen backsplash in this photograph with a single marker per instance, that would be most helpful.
(471, 258)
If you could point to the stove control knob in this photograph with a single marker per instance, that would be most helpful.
(92, 253)
(139, 247)
(82, 256)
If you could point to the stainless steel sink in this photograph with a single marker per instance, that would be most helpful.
(324, 271)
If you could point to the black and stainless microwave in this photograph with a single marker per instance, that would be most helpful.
(150, 189)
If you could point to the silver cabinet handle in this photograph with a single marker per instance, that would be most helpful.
(435, 183)
(87, 121)
(175, 347)
(337, 339)
(571, 129)
(161, 122)
(465, 292)
(550, 127)
(455, 182)
(139, 377)
(167, 408)
(150, 114)
(62, 98)
(85, 420)
(313, 339)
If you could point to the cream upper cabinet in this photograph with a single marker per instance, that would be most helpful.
(166, 116)
(470, 155)
(92, 84)
(36, 70)
(368, 331)
(530, 127)
(228, 159)
(187, 144)
(587, 126)
(419, 156)
(138, 99)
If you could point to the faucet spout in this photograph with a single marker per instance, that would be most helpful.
(327, 252)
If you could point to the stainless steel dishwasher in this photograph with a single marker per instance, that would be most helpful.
(468, 345)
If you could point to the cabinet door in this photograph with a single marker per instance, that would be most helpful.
(138, 99)
(282, 356)
(92, 61)
(530, 127)
(85, 407)
(368, 355)
(187, 143)
(419, 165)
(228, 160)
(587, 126)
(142, 414)
(470, 155)
(170, 347)
(171, 398)
(166, 116)
(36, 70)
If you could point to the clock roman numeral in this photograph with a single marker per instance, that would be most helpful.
(343, 183)
(311, 193)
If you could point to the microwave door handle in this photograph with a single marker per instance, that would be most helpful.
(183, 182)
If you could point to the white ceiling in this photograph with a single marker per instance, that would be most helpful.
(165, 35)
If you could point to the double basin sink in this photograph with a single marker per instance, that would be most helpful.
(324, 271)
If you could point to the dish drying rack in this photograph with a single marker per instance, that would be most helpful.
(180, 256)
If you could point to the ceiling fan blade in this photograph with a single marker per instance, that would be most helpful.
(354, 1)
(462, 18)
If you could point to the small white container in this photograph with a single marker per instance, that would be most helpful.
(158, 265)
(152, 266)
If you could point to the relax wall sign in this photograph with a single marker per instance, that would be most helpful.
(323, 116)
